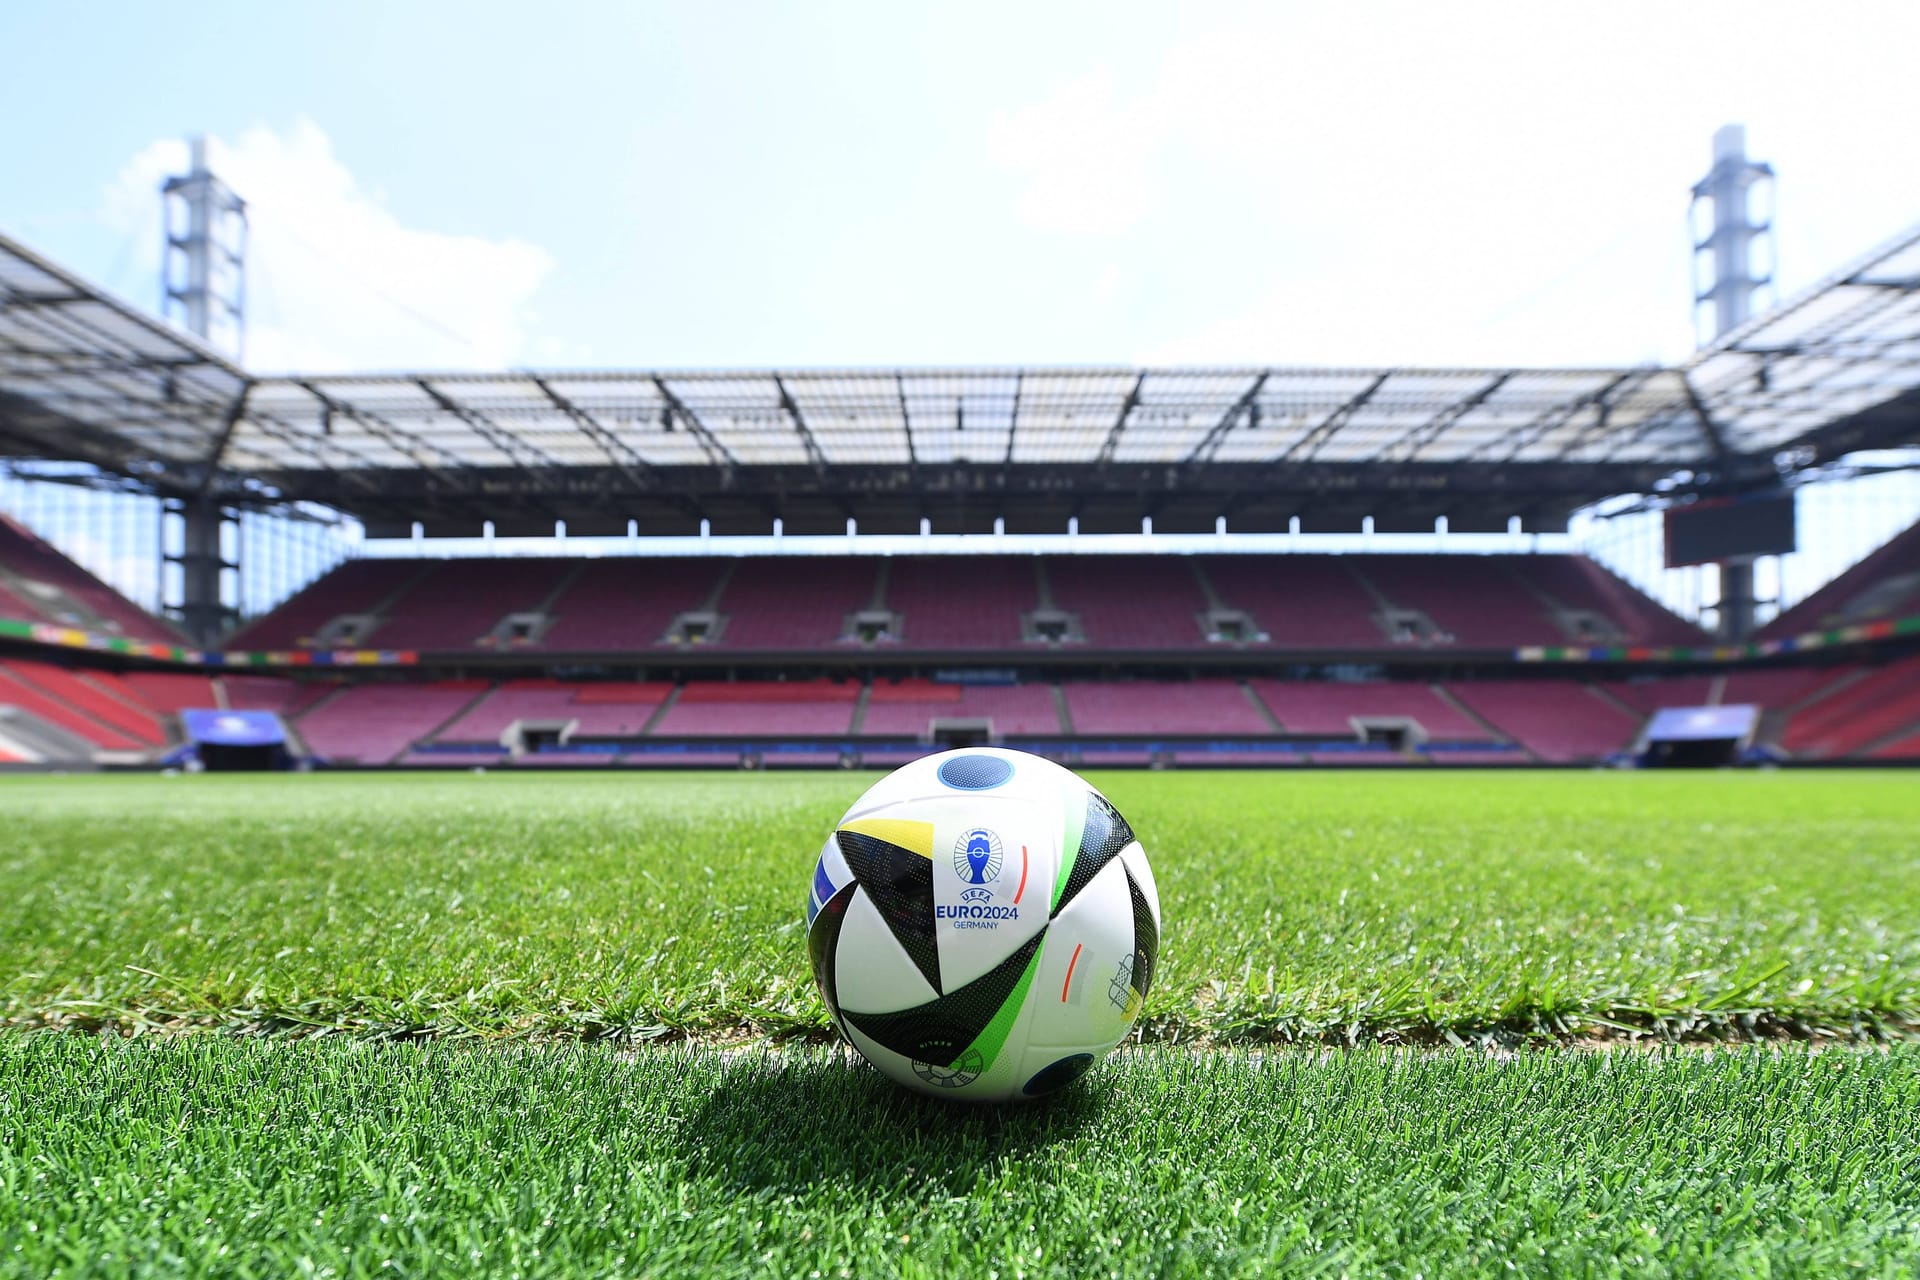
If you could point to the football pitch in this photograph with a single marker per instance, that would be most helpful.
(564, 1026)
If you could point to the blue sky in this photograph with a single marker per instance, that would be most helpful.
(801, 185)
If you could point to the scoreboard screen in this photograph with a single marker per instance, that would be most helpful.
(1718, 529)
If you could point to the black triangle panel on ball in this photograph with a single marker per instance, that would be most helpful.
(900, 882)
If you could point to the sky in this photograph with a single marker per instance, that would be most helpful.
(478, 185)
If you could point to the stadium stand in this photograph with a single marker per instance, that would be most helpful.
(19, 688)
(1904, 747)
(458, 604)
(1329, 708)
(1777, 688)
(1303, 602)
(171, 692)
(798, 602)
(356, 588)
(377, 723)
(1884, 585)
(37, 577)
(1474, 601)
(961, 602)
(972, 603)
(284, 697)
(552, 701)
(1580, 591)
(1559, 721)
(1129, 602)
(1647, 696)
(628, 604)
(1857, 712)
(1165, 707)
(87, 695)
(910, 707)
(753, 708)
(13, 606)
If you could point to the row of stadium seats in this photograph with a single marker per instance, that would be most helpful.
(1830, 714)
(38, 584)
(976, 604)
(1884, 585)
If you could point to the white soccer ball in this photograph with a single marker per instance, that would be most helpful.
(983, 925)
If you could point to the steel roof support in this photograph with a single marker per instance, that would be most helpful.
(1309, 445)
(1709, 429)
(717, 453)
(234, 414)
(490, 431)
(906, 420)
(405, 442)
(629, 464)
(1210, 443)
(1120, 422)
(1528, 434)
(1013, 420)
(807, 441)
(1430, 430)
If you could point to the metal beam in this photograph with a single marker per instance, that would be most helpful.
(1210, 443)
(405, 442)
(1528, 434)
(1308, 446)
(807, 441)
(1119, 423)
(1421, 436)
(490, 431)
(233, 417)
(716, 452)
(1013, 421)
(631, 465)
(1709, 429)
(906, 418)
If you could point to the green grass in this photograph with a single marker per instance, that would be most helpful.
(1336, 907)
(215, 1155)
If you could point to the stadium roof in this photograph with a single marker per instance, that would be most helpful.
(85, 377)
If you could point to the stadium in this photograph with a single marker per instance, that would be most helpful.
(734, 660)
(433, 901)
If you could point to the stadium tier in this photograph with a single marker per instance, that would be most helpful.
(38, 584)
(1884, 585)
(611, 605)
(915, 708)
(1129, 602)
(754, 708)
(1147, 707)
(962, 602)
(1159, 604)
(599, 710)
(1559, 721)
(1644, 697)
(1851, 712)
(982, 619)
(377, 723)
(1297, 602)
(1856, 712)
(797, 603)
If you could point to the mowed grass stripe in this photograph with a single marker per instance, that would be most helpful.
(214, 1155)
(1323, 906)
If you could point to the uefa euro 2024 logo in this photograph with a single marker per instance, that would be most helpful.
(978, 857)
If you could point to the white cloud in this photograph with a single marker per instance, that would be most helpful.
(335, 280)
(1401, 183)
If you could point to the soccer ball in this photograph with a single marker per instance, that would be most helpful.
(983, 925)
